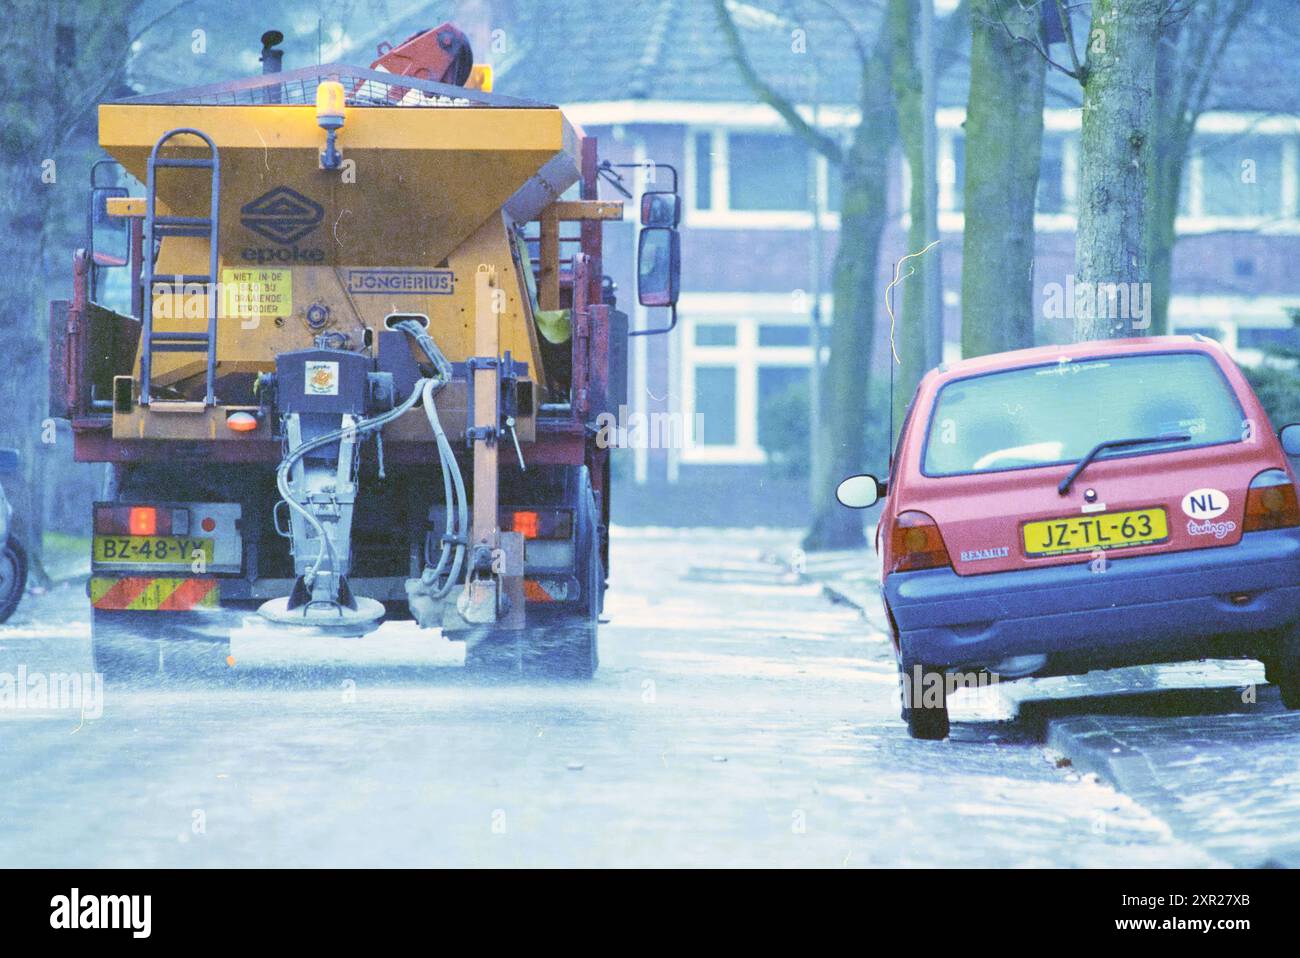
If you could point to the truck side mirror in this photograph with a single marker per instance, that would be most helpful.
(661, 208)
(109, 235)
(658, 266)
(860, 492)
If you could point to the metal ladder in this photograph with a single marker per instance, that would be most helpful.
(155, 228)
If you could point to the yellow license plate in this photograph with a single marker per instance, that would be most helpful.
(153, 550)
(1107, 530)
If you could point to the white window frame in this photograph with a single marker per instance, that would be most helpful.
(948, 123)
(720, 215)
(746, 312)
(1287, 218)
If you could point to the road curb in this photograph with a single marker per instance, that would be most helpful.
(838, 595)
(1092, 748)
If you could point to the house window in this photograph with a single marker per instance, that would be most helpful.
(772, 178)
(715, 334)
(767, 171)
(834, 186)
(784, 335)
(1051, 176)
(783, 411)
(747, 377)
(703, 171)
(958, 173)
(715, 402)
(1241, 175)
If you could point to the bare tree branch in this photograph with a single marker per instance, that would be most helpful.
(858, 46)
(1042, 50)
(1067, 27)
(114, 76)
(826, 145)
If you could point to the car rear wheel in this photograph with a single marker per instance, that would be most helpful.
(1283, 670)
(925, 699)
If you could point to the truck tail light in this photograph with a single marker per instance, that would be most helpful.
(915, 543)
(539, 524)
(116, 520)
(143, 521)
(1271, 502)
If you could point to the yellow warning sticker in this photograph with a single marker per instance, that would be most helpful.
(148, 594)
(256, 292)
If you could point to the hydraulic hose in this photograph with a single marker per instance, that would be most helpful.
(292, 459)
(456, 525)
(457, 521)
(457, 505)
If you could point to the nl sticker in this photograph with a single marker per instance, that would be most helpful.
(1205, 503)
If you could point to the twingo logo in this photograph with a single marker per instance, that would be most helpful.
(282, 215)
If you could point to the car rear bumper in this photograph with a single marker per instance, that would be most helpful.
(1216, 602)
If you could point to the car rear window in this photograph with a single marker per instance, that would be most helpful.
(1045, 415)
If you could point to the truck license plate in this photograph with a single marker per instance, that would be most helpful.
(171, 550)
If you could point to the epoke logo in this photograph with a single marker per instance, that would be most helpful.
(282, 215)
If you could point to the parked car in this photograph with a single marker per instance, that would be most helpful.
(13, 558)
(1056, 510)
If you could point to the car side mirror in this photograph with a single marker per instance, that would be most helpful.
(9, 462)
(1290, 436)
(658, 266)
(861, 492)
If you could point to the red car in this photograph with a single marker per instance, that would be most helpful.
(1056, 510)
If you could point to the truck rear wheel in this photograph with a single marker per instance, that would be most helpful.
(13, 576)
(138, 646)
(560, 642)
(563, 650)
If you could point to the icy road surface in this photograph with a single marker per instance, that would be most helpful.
(738, 718)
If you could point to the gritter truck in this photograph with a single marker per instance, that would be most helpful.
(343, 345)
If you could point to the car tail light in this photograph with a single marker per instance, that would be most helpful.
(1271, 502)
(140, 521)
(915, 543)
(539, 524)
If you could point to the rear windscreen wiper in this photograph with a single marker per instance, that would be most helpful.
(1064, 487)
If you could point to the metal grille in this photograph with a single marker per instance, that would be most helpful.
(363, 88)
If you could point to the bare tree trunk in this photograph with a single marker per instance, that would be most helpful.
(913, 330)
(1190, 48)
(66, 55)
(1004, 141)
(1115, 211)
(1167, 179)
(854, 284)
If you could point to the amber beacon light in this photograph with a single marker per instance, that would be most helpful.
(330, 117)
